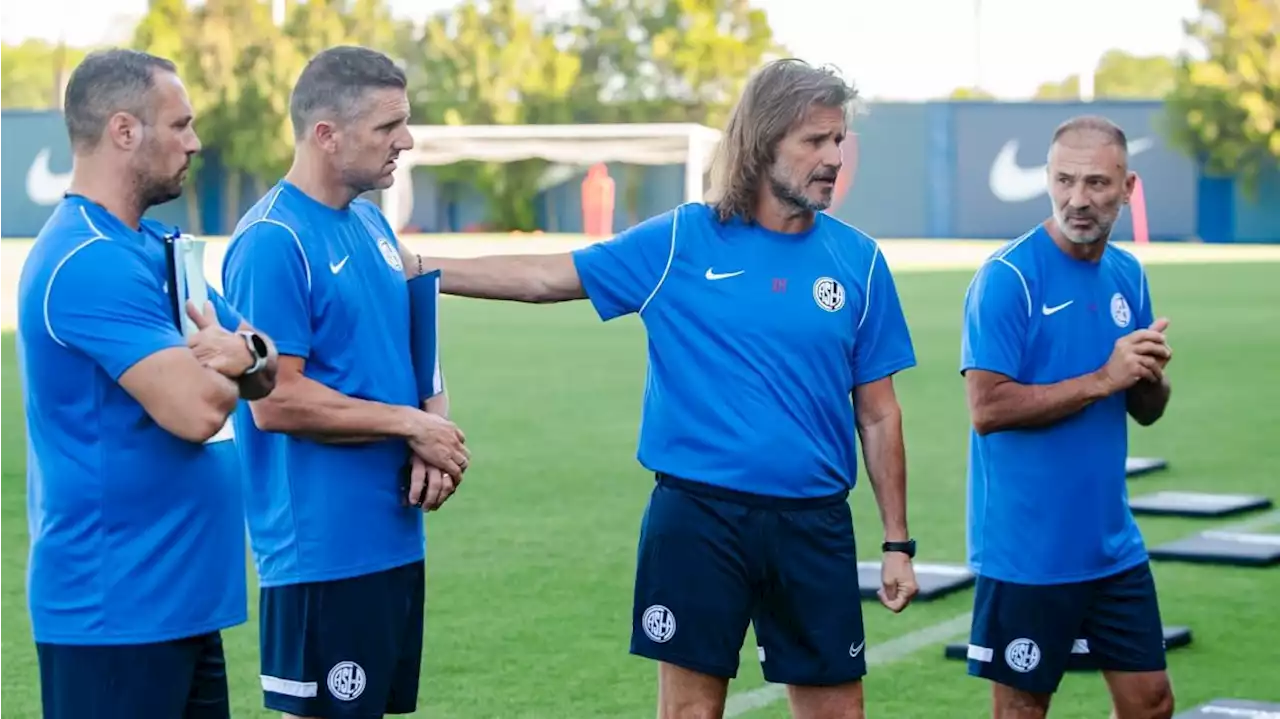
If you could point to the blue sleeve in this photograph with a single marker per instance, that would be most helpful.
(1146, 315)
(227, 315)
(105, 302)
(268, 281)
(997, 311)
(621, 274)
(883, 345)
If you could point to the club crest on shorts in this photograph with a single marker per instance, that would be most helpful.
(659, 623)
(390, 254)
(346, 681)
(1120, 310)
(1022, 655)
(828, 293)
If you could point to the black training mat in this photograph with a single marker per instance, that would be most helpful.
(1232, 709)
(935, 580)
(1237, 549)
(1080, 660)
(1197, 504)
(1136, 466)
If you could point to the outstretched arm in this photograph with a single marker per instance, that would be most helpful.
(619, 276)
(521, 278)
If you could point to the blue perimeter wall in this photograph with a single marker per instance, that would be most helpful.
(923, 170)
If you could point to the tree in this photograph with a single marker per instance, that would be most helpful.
(971, 93)
(33, 74)
(664, 61)
(1118, 76)
(167, 31)
(1224, 106)
(492, 64)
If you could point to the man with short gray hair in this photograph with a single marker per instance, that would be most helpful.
(1061, 347)
(133, 488)
(339, 547)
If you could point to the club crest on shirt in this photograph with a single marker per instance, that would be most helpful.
(390, 254)
(828, 293)
(1120, 310)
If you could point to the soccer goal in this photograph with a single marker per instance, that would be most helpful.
(572, 147)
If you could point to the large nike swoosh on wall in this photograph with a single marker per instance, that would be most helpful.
(1010, 182)
(44, 186)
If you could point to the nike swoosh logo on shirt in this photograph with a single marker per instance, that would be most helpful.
(335, 269)
(1047, 310)
(712, 275)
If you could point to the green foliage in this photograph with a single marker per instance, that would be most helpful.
(492, 64)
(32, 74)
(970, 93)
(480, 62)
(1118, 76)
(1224, 106)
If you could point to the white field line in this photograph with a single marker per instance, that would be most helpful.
(877, 655)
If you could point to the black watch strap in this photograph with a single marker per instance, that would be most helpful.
(908, 547)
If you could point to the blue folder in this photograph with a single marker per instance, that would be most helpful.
(424, 300)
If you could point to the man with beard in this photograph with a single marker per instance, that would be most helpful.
(134, 503)
(765, 317)
(1059, 348)
(340, 556)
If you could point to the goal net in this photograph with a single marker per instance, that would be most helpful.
(565, 146)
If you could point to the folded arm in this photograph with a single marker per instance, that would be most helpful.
(186, 399)
(103, 301)
(260, 383)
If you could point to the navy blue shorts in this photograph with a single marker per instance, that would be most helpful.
(1024, 635)
(712, 560)
(179, 679)
(346, 648)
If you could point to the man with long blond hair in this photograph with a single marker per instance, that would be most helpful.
(764, 318)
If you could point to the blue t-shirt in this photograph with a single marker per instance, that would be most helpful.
(1050, 505)
(137, 535)
(328, 286)
(756, 340)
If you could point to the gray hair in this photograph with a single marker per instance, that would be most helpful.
(1093, 123)
(775, 100)
(107, 82)
(334, 82)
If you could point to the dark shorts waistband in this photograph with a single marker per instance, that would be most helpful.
(751, 499)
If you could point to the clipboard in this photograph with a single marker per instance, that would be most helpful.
(184, 260)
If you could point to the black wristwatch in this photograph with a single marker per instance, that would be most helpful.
(908, 547)
(258, 348)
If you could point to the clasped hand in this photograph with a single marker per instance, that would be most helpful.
(439, 459)
(1140, 356)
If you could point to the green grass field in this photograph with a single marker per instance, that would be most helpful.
(530, 565)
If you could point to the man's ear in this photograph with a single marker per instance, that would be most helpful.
(326, 134)
(124, 131)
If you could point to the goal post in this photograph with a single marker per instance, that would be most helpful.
(689, 144)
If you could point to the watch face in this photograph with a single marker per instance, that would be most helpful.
(259, 345)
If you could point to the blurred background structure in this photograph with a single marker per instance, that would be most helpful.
(961, 98)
